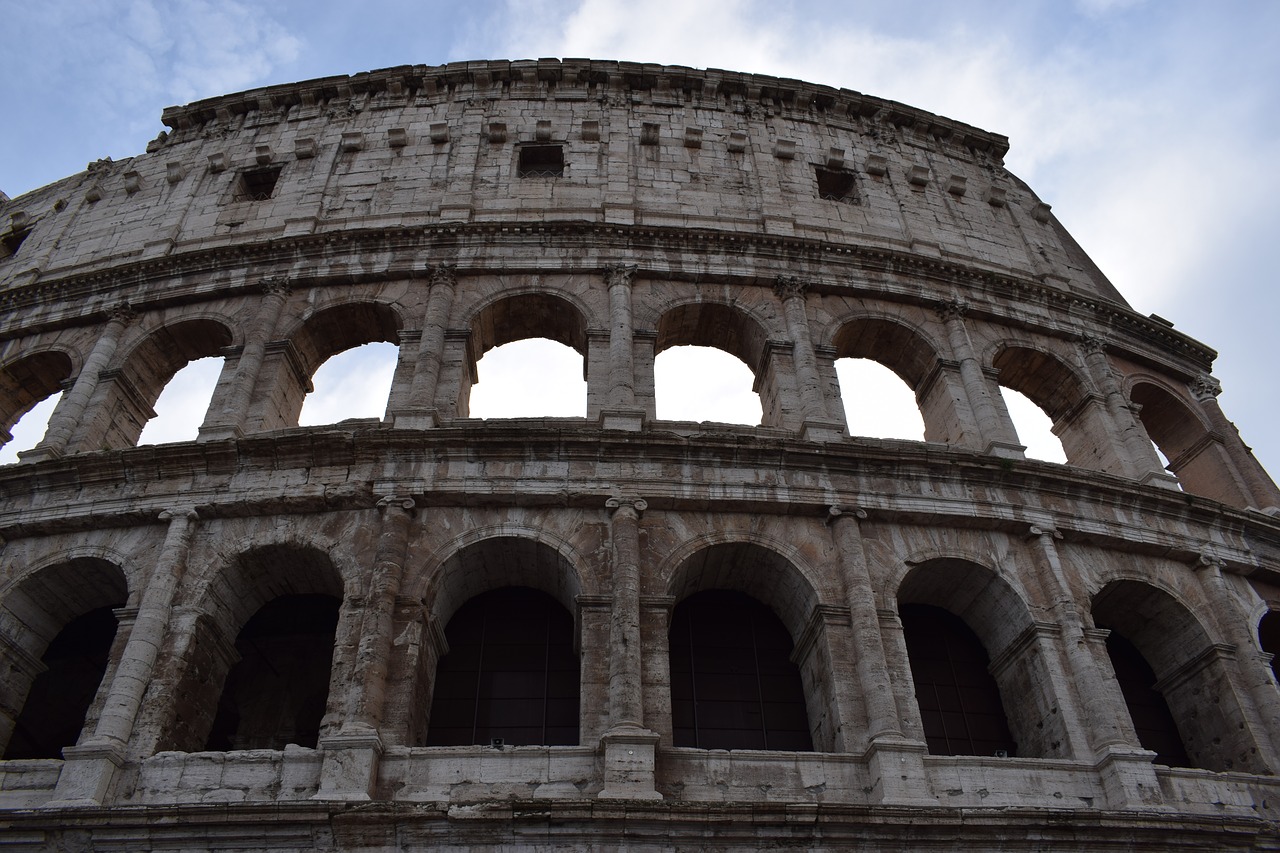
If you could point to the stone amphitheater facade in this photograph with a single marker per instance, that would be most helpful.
(620, 209)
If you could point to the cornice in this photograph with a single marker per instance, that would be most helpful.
(210, 476)
(302, 259)
(424, 85)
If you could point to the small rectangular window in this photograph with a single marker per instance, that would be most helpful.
(259, 184)
(541, 161)
(836, 185)
(10, 242)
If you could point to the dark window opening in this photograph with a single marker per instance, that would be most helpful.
(10, 242)
(59, 698)
(733, 683)
(276, 693)
(1148, 709)
(836, 185)
(959, 700)
(511, 673)
(541, 161)
(1269, 638)
(259, 184)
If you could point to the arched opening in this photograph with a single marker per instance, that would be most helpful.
(181, 406)
(964, 603)
(534, 377)
(1269, 639)
(255, 663)
(30, 388)
(733, 683)
(354, 383)
(704, 384)
(876, 358)
(511, 673)
(1186, 671)
(59, 699)
(1152, 720)
(56, 634)
(1034, 427)
(275, 693)
(877, 403)
(693, 383)
(1047, 403)
(1192, 453)
(149, 369)
(960, 705)
(334, 337)
(759, 589)
(495, 577)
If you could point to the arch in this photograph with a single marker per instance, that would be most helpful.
(513, 317)
(731, 330)
(913, 358)
(27, 380)
(275, 693)
(773, 582)
(983, 608)
(1189, 673)
(511, 673)
(733, 682)
(1058, 391)
(247, 585)
(501, 558)
(758, 570)
(713, 324)
(536, 314)
(287, 369)
(1269, 639)
(56, 633)
(131, 391)
(1194, 454)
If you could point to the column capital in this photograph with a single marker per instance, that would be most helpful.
(1040, 530)
(632, 505)
(444, 274)
(620, 274)
(834, 513)
(276, 285)
(1205, 388)
(953, 309)
(1090, 344)
(404, 502)
(1206, 559)
(790, 286)
(188, 513)
(122, 312)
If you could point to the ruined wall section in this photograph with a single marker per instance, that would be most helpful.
(663, 147)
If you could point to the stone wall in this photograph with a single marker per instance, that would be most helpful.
(687, 212)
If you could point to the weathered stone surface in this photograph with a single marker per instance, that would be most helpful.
(279, 227)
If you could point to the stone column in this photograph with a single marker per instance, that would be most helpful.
(351, 755)
(895, 761)
(998, 435)
(621, 411)
(629, 748)
(1125, 768)
(421, 410)
(70, 411)
(818, 425)
(1137, 452)
(227, 416)
(1264, 492)
(1233, 623)
(90, 766)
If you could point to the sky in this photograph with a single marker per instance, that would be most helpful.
(1149, 126)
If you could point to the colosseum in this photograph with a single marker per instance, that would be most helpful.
(276, 637)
